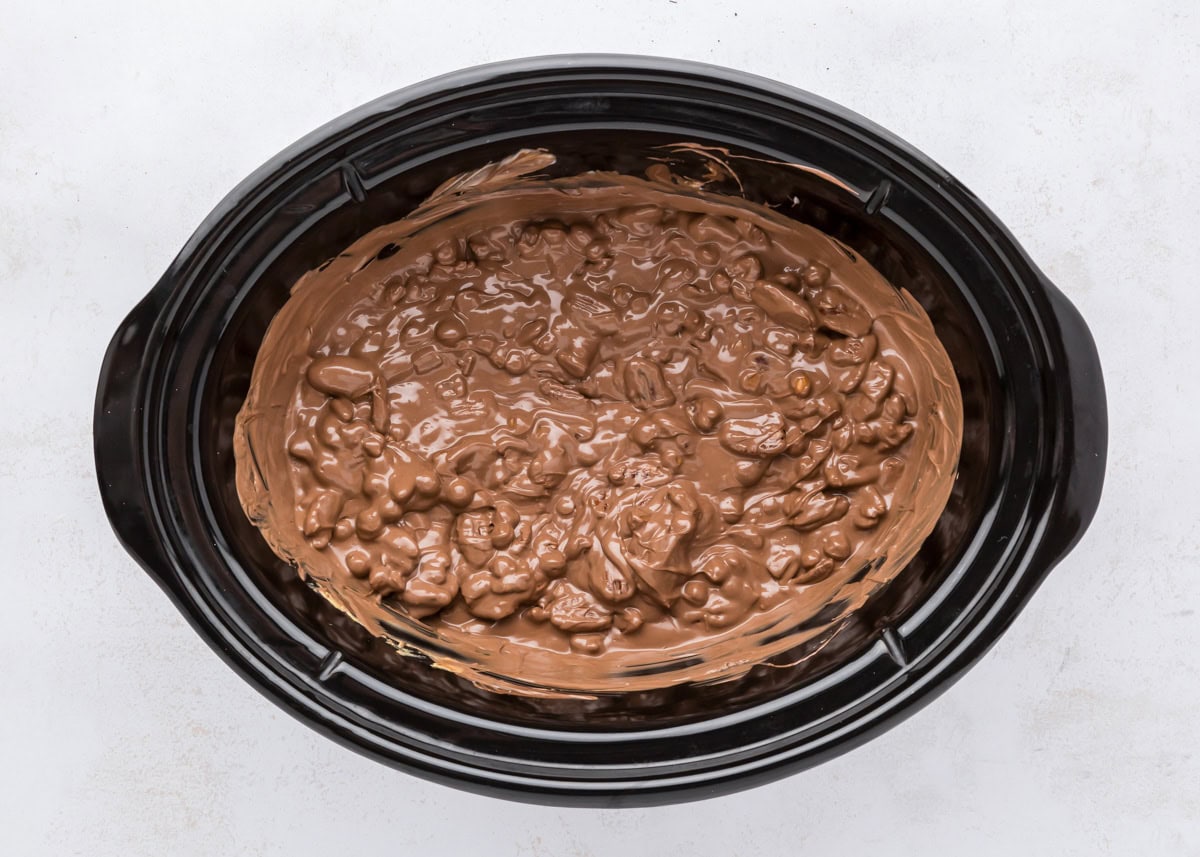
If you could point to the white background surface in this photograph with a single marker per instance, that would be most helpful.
(121, 125)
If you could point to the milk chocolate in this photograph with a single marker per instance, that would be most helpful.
(597, 433)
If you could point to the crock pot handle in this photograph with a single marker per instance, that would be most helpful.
(117, 439)
(1085, 430)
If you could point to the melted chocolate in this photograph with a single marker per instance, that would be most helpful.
(597, 433)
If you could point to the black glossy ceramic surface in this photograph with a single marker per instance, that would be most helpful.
(179, 366)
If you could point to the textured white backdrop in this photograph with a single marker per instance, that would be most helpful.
(122, 124)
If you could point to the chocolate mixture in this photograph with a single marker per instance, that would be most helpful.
(597, 433)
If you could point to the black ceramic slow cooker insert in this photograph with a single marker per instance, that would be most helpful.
(1029, 480)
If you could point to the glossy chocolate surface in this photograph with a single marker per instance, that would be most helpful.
(598, 433)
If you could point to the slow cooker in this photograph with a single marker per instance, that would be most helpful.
(1029, 480)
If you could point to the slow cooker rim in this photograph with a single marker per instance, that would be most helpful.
(462, 79)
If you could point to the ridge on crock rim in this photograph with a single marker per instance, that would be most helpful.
(149, 449)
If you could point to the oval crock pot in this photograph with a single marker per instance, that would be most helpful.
(1030, 475)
